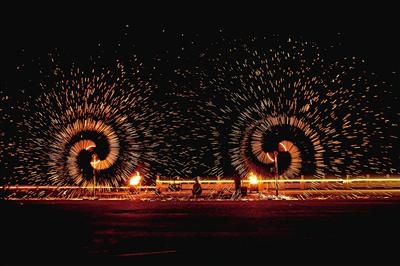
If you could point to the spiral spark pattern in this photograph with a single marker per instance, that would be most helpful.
(284, 95)
(254, 137)
(89, 128)
(88, 145)
(222, 112)
(285, 146)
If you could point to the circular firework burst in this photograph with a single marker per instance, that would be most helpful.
(86, 129)
(317, 113)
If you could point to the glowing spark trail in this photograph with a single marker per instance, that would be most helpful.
(87, 128)
(227, 111)
(289, 96)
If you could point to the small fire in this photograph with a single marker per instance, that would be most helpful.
(95, 160)
(135, 180)
(253, 179)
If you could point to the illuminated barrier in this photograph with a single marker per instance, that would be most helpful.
(300, 183)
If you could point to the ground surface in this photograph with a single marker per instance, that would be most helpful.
(203, 232)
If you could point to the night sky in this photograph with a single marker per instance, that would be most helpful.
(173, 46)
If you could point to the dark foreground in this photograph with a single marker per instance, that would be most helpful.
(224, 232)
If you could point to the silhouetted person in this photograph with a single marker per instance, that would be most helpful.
(196, 190)
(238, 185)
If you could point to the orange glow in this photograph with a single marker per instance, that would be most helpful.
(135, 180)
(270, 158)
(95, 160)
(283, 146)
(90, 146)
(253, 179)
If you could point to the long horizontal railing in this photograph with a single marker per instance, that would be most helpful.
(160, 183)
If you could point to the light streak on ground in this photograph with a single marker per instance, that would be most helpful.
(328, 180)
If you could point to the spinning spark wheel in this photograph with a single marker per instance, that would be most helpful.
(88, 131)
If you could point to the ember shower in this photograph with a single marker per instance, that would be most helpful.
(253, 97)
(86, 124)
(323, 115)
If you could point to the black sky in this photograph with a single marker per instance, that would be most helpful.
(83, 30)
(368, 30)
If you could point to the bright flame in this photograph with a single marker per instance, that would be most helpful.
(253, 179)
(95, 160)
(135, 180)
